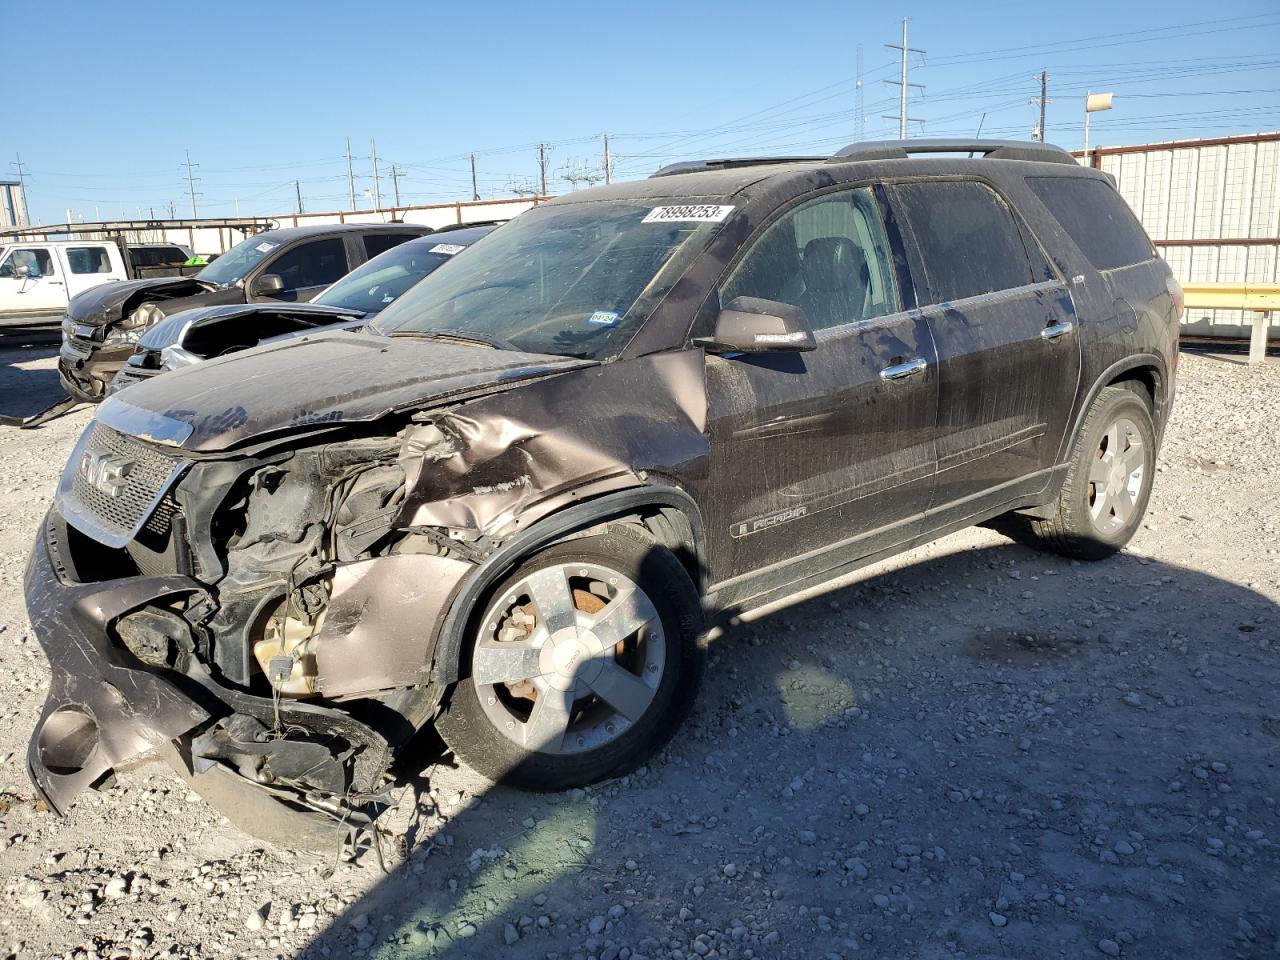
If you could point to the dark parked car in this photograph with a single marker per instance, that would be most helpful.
(508, 511)
(293, 265)
(190, 336)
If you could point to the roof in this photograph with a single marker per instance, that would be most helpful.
(286, 234)
(462, 236)
(729, 176)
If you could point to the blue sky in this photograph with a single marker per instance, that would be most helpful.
(104, 99)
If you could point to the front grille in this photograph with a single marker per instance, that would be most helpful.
(81, 348)
(116, 484)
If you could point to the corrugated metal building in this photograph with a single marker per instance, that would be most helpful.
(13, 205)
(1213, 209)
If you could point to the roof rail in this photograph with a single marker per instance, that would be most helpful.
(990, 149)
(728, 163)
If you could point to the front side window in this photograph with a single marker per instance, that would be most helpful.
(1096, 217)
(314, 264)
(88, 260)
(38, 263)
(232, 266)
(967, 238)
(570, 279)
(828, 256)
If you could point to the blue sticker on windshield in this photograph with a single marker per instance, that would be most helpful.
(605, 318)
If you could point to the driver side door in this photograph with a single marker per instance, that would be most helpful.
(306, 269)
(822, 457)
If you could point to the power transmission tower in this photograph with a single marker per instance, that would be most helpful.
(377, 185)
(527, 187)
(904, 86)
(1042, 101)
(577, 172)
(542, 166)
(396, 174)
(191, 186)
(475, 191)
(25, 220)
(351, 179)
(859, 106)
(297, 186)
(608, 160)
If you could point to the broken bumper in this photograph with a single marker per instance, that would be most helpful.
(101, 710)
(86, 369)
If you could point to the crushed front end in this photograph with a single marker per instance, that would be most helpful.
(262, 608)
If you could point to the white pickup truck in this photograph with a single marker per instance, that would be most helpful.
(39, 278)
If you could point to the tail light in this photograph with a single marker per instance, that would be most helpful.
(1179, 301)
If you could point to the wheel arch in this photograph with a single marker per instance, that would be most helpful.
(668, 513)
(1145, 371)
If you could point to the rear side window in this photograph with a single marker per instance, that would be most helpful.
(967, 238)
(1096, 218)
(376, 243)
(313, 264)
(88, 260)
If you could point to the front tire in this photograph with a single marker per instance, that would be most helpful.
(1104, 495)
(581, 664)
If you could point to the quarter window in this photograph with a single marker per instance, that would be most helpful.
(828, 256)
(314, 264)
(38, 263)
(88, 260)
(376, 243)
(967, 238)
(1096, 218)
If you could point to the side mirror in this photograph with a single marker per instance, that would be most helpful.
(268, 284)
(22, 270)
(754, 325)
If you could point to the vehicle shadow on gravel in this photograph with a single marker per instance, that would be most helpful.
(28, 378)
(989, 752)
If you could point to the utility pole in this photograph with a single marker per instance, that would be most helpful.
(902, 83)
(1042, 101)
(859, 105)
(377, 185)
(191, 186)
(608, 160)
(25, 220)
(542, 166)
(351, 180)
(475, 191)
(297, 186)
(396, 174)
(173, 211)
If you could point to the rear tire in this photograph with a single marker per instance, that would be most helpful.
(614, 612)
(1108, 483)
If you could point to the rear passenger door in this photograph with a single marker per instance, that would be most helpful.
(833, 446)
(1004, 326)
(88, 266)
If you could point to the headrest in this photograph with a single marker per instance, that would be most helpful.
(833, 263)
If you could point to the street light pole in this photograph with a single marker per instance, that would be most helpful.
(1093, 103)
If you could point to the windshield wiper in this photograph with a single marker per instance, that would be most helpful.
(496, 343)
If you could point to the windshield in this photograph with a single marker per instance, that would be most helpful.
(235, 263)
(574, 280)
(381, 281)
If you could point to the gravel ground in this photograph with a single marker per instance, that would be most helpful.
(971, 751)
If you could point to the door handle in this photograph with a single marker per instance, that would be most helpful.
(1057, 330)
(900, 370)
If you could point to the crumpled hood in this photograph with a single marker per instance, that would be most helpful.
(109, 302)
(313, 380)
(170, 330)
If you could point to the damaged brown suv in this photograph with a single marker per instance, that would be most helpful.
(508, 508)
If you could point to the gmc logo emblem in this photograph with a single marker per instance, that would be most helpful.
(105, 473)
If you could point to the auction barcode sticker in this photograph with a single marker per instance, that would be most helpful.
(447, 248)
(695, 213)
